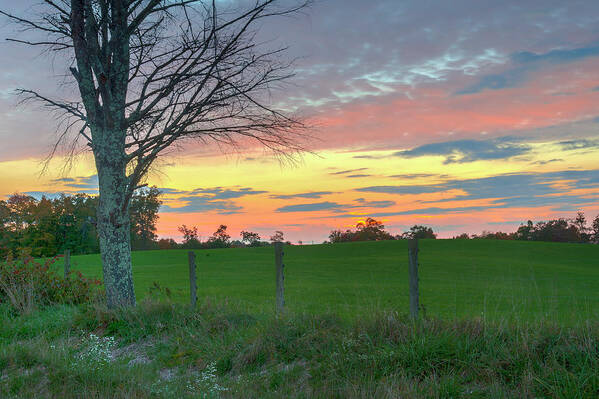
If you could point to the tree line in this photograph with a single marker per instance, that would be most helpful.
(46, 227)
(374, 230)
(555, 230)
(219, 239)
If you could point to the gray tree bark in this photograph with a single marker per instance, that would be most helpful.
(113, 227)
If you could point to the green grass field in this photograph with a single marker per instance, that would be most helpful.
(526, 327)
(486, 279)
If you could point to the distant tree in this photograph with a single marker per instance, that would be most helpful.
(340, 236)
(277, 237)
(525, 231)
(4, 236)
(368, 230)
(190, 237)
(372, 230)
(419, 231)
(67, 223)
(21, 225)
(580, 222)
(595, 233)
(144, 216)
(76, 225)
(189, 233)
(492, 235)
(500, 235)
(167, 243)
(557, 230)
(484, 234)
(40, 235)
(220, 238)
(46, 226)
(463, 236)
(21, 211)
(221, 234)
(370, 223)
(250, 238)
(4, 214)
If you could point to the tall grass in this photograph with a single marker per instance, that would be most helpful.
(21, 295)
(166, 350)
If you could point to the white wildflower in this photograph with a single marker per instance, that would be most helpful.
(98, 351)
(206, 384)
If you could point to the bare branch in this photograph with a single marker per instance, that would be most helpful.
(154, 73)
(71, 108)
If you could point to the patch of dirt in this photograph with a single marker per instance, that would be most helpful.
(166, 374)
(137, 352)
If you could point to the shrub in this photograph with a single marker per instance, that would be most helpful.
(26, 284)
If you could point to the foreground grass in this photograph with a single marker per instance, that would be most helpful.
(460, 279)
(166, 350)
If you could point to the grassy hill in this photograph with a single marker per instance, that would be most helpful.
(486, 279)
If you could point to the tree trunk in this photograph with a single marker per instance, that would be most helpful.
(113, 222)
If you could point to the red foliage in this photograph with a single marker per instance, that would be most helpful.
(42, 281)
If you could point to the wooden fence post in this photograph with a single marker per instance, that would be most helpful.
(413, 257)
(280, 276)
(193, 288)
(67, 263)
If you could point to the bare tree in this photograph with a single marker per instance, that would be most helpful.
(151, 74)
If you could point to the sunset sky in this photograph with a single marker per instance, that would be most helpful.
(460, 115)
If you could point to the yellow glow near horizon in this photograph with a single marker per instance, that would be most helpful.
(319, 173)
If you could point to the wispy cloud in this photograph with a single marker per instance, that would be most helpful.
(503, 191)
(334, 206)
(201, 204)
(345, 172)
(582, 144)
(373, 204)
(312, 207)
(207, 199)
(527, 62)
(64, 180)
(410, 176)
(313, 195)
(556, 56)
(461, 151)
(406, 190)
(87, 183)
(226, 193)
(548, 161)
